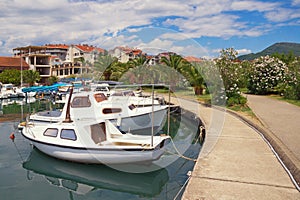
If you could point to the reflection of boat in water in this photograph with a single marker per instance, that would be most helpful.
(82, 178)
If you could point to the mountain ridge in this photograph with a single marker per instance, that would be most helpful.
(280, 47)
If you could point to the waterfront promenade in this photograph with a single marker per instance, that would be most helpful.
(235, 161)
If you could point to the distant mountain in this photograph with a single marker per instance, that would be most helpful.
(282, 47)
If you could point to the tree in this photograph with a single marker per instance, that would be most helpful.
(192, 72)
(231, 72)
(173, 61)
(290, 88)
(117, 70)
(31, 77)
(103, 66)
(11, 76)
(53, 79)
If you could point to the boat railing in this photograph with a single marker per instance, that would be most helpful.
(30, 131)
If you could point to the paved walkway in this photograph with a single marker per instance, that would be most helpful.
(235, 162)
(281, 118)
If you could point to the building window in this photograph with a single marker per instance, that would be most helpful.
(51, 132)
(68, 134)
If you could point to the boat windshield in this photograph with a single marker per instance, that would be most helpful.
(81, 102)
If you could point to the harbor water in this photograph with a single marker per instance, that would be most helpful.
(26, 173)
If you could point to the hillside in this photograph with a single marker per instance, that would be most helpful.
(282, 47)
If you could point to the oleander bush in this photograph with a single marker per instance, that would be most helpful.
(266, 75)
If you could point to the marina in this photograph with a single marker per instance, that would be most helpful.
(55, 178)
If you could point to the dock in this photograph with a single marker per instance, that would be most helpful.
(235, 162)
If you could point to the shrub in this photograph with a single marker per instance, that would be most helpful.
(267, 72)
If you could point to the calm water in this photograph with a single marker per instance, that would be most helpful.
(27, 173)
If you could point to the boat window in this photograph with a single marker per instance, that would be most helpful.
(118, 94)
(99, 97)
(132, 106)
(98, 132)
(81, 102)
(51, 132)
(129, 93)
(68, 134)
(111, 110)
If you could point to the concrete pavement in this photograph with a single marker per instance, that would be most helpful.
(235, 162)
(282, 120)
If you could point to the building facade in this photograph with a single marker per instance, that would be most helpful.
(59, 60)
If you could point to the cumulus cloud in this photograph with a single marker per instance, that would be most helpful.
(36, 22)
(243, 51)
(253, 5)
(283, 14)
(296, 2)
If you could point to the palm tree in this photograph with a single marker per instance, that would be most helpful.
(30, 77)
(173, 61)
(103, 66)
(140, 61)
(193, 74)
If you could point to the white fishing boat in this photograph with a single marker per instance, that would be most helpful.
(120, 111)
(90, 141)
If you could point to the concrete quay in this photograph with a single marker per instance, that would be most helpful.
(235, 161)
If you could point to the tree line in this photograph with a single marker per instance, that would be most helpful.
(224, 78)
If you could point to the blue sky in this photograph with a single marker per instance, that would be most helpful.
(196, 27)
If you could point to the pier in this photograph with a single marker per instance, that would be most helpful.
(235, 162)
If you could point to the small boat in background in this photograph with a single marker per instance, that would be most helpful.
(120, 110)
(9, 91)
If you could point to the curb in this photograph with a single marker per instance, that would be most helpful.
(289, 162)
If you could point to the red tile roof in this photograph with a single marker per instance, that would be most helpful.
(192, 59)
(12, 63)
(57, 46)
(87, 48)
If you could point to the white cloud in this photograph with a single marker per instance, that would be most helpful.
(36, 22)
(243, 51)
(296, 2)
(282, 14)
(253, 5)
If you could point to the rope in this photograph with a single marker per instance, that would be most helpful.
(179, 154)
(189, 174)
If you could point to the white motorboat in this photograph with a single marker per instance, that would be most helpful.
(90, 141)
(101, 87)
(121, 111)
(8, 91)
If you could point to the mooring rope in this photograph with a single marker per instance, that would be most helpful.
(187, 180)
(179, 154)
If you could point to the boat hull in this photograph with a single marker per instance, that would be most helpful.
(101, 155)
